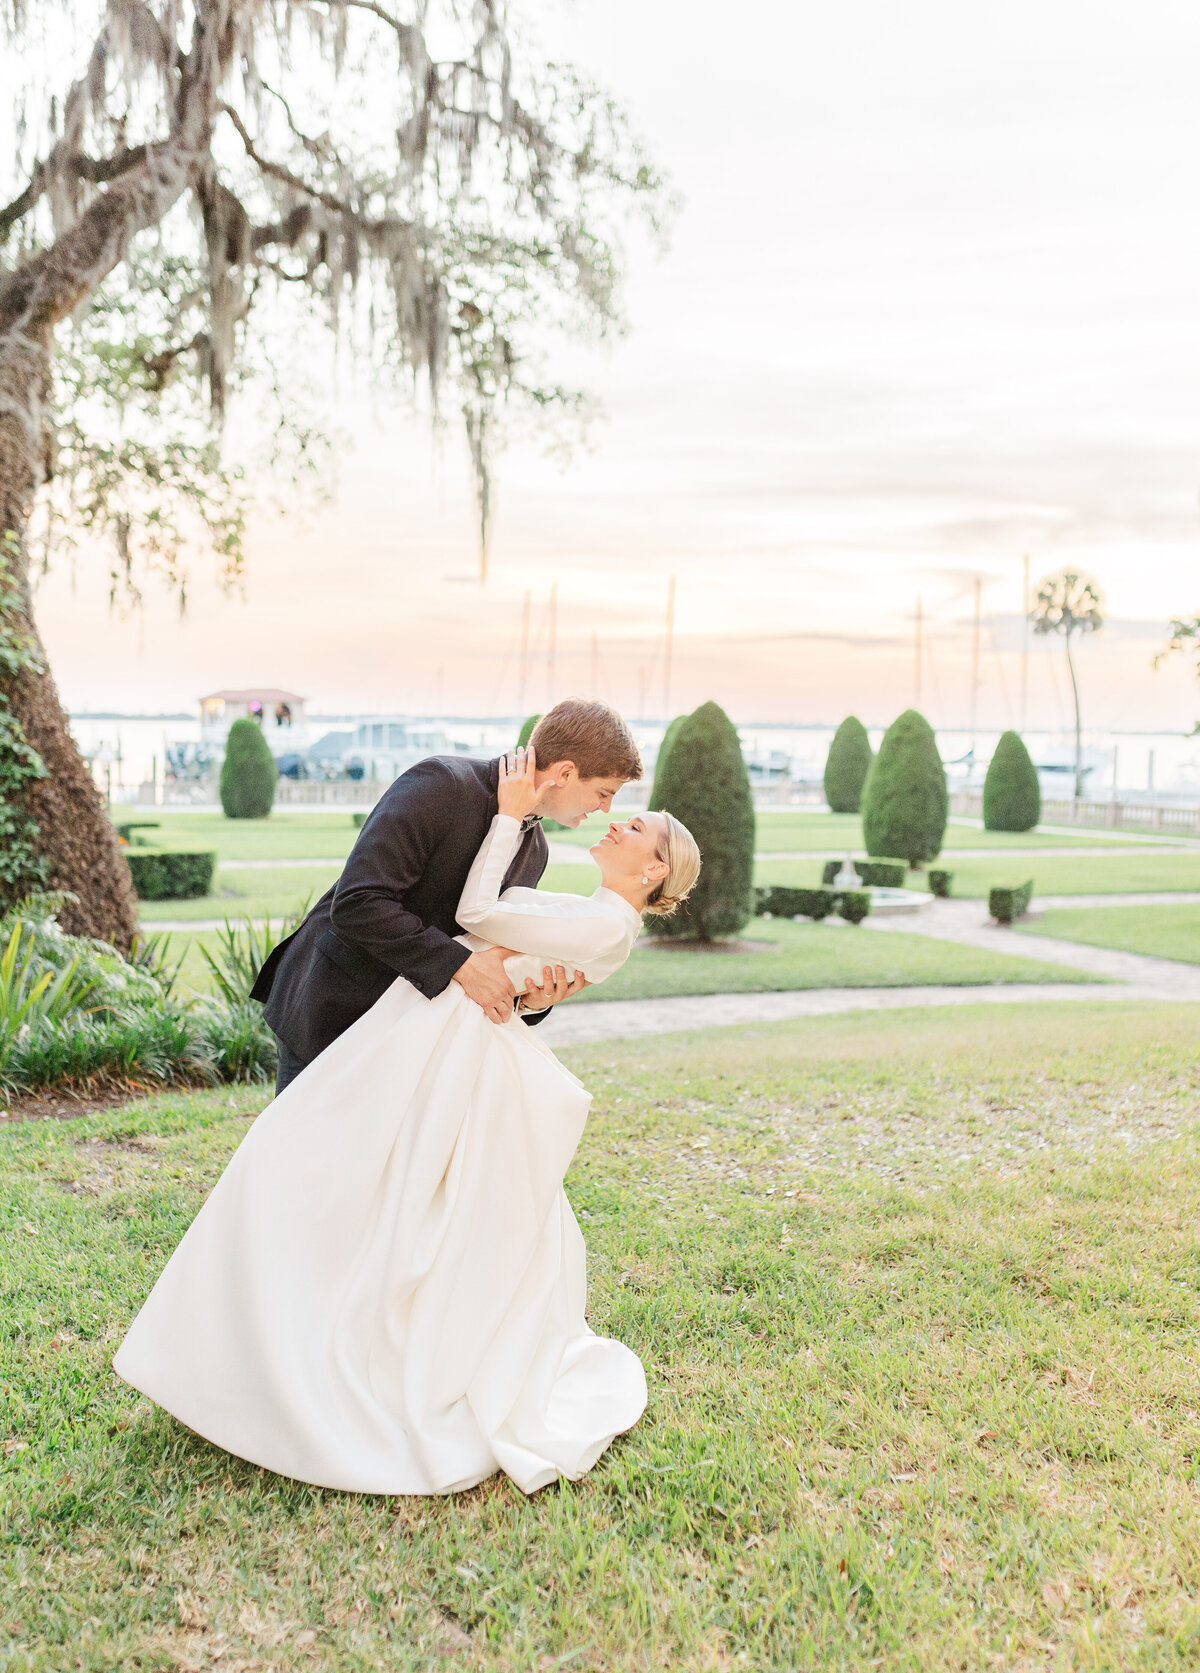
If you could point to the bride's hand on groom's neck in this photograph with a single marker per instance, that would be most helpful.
(518, 792)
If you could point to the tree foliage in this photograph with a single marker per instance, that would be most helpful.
(1012, 796)
(847, 765)
(526, 731)
(705, 784)
(139, 466)
(1068, 603)
(1184, 637)
(905, 802)
(248, 773)
(398, 172)
(399, 177)
(660, 763)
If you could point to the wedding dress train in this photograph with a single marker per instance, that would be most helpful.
(385, 1290)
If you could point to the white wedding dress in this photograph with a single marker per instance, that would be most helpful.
(385, 1290)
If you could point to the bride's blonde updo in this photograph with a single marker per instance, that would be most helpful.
(677, 847)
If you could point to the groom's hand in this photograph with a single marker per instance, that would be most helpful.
(483, 979)
(555, 986)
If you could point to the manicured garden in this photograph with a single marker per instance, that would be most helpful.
(788, 956)
(1076, 874)
(918, 1302)
(785, 830)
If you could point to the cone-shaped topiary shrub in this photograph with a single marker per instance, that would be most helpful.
(660, 762)
(905, 801)
(704, 783)
(526, 731)
(847, 766)
(1012, 796)
(248, 773)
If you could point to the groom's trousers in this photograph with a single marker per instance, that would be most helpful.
(289, 1065)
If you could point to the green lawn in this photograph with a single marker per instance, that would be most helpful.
(289, 835)
(1082, 874)
(825, 955)
(1161, 931)
(918, 1298)
(786, 830)
(260, 893)
(283, 835)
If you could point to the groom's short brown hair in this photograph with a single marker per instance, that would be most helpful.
(588, 732)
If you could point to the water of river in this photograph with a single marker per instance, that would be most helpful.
(127, 750)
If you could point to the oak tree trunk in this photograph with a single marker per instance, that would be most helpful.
(75, 834)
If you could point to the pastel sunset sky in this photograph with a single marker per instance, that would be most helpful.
(932, 302)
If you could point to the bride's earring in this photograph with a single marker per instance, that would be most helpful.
(645, 879)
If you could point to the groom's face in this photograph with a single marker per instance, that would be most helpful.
(573, 798)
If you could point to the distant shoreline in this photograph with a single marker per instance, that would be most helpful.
(743, 725)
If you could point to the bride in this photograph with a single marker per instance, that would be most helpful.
(385, 1291)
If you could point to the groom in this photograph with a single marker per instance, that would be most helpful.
(391, 912)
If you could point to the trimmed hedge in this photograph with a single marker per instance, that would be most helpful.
(1009, 903)
(178, 876)
(526, 732)
(847, 766)
(1012, 796)
(654, 804)
(248, 773)
(705, 784)
(796, 903)
(876, 874)
(905, 802)
(939, 884)
(358, 820)
(125, 832)
(854, 905)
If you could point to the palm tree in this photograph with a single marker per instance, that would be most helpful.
(1069, 603)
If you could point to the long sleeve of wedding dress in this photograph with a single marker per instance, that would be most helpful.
(385, 1291)
(592, 933)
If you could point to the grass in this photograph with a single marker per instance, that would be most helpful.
(824, 955)
(784, 830)
(265, 893)
(1161, 931)
(917, 1296)
(1082, 874)
(284, 835)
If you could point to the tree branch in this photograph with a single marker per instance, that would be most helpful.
(405, 32)
(296, 223)
(102, 169)
(99, 170)
(45, 289)
(284, 175)
(23, 202)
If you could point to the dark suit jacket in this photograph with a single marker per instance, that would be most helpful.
(391, 912)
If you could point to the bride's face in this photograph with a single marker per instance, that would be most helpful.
(628, 851)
